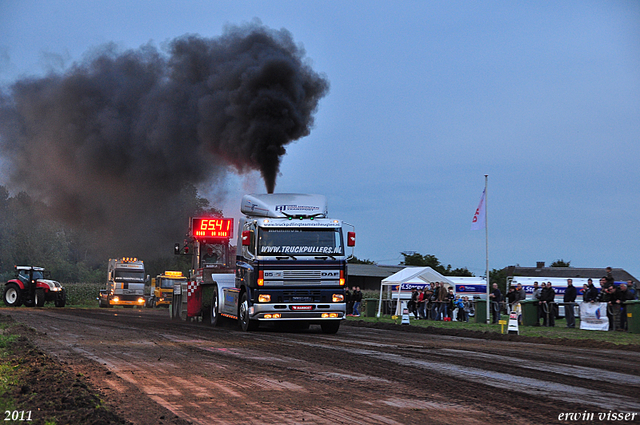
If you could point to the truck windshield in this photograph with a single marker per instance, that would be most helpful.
(168, 283)
(300, 241)
(129, 276)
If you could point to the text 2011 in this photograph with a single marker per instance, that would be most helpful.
(17, 415)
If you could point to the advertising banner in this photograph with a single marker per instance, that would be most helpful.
(593, 316)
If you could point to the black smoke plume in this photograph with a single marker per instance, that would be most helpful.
(111, 143)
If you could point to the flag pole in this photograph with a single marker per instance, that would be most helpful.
(486, 238)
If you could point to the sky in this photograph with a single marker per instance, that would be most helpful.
(425, 99)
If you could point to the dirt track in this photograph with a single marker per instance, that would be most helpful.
(159, 371)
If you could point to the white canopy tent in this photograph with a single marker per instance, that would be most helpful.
(410, 277)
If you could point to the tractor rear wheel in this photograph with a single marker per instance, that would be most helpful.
(12, 295)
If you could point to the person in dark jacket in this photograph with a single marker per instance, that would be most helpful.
(511, 296)
(608, 278)
(428, 297)
(607, 295)
(435, 305)
(412, 305)
(570, 295)
(614, 307)
(357, 301)
(604, 296)
(547, 298)
(450, 301)
(522, 295)
(592, 292)
(624, 295)
(632, 289)
(348, 299)
(496, 299)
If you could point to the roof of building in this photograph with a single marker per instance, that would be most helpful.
(619, 275)
(372, 270)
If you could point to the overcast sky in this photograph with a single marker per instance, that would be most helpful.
(426, 98)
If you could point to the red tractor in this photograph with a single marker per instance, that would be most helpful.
(32, 286)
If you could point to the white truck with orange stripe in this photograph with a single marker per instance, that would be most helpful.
(125, 283)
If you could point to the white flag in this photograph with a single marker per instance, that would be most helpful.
(478, 222)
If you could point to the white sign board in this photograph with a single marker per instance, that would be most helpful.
(593, 316)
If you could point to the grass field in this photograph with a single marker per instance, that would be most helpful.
(558, 331)
(8, 375)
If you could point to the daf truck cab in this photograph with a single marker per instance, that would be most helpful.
(291, 262)
(290, 265)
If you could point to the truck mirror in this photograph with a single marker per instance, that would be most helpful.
(246, 237)
(176, 249)
(351, 238)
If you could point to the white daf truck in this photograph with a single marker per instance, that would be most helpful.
(290, 266)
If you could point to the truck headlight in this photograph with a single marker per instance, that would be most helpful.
(337, 298)
(264, 298)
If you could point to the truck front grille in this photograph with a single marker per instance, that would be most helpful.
(302, 274)
(301, 295)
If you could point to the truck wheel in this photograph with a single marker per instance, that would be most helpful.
(39, 297)
(330, 327)
(246, 324)
(104, 303)
(62, 299)
(12, 295)
(216, 319)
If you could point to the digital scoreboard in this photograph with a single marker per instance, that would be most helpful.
(208, 228)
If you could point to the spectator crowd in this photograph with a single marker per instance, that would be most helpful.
(437, 301)
(544, 295)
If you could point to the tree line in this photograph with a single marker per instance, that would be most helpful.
(419, 260)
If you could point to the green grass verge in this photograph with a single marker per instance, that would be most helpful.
(8, 374)
(558, 331)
